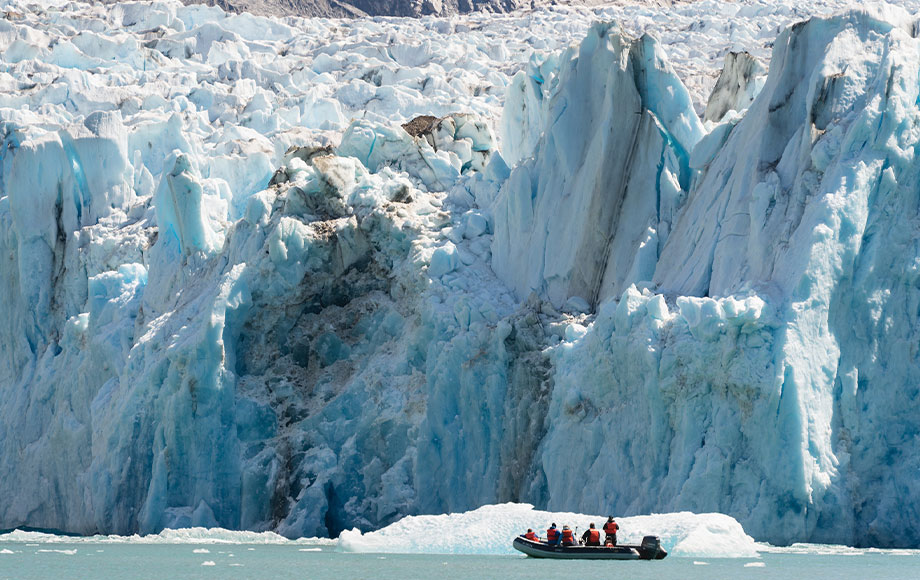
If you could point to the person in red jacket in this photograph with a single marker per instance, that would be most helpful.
(552, 535)
(610, 528)
(591, 537)
(530, 535)
(568, 538)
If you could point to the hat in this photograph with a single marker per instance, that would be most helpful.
(565, 527)
(553, 525)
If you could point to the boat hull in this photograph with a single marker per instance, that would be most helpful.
(541, 550)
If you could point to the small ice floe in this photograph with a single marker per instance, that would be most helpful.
(698, 563)
(65, 552)
(201, 551)
(310, 550)
(208, 563)
(6, 551)
(755, 565)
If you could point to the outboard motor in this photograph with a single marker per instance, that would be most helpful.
(651, 549)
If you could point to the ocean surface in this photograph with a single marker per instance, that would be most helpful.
(89, 559)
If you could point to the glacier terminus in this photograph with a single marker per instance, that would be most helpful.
(310, 275)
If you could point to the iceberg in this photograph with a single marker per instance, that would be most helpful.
(490, 529)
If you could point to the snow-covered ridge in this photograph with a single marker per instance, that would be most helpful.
(239, 294)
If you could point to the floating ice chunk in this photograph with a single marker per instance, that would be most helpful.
(718, 529)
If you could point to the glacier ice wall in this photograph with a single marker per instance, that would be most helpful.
(227, 304)
(604, 181)
(194, 276)
(768, 372)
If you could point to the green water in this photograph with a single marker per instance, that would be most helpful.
(86, 560)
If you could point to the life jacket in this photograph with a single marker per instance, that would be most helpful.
(594, 536)
(552, 536)
(531, 536)
(567, 537)
(611, 528)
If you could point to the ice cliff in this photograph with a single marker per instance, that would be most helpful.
(760, 351)
(238, 293)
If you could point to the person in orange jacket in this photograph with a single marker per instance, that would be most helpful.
(591, 537)
(610, 528)
(530, 535)
(568, 538)
(552, 535)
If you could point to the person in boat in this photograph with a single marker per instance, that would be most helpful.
(530, 535)
(591, 537)
(553, 535)
(568, 538)
(610, 529)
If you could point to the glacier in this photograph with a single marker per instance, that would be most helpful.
(239, 294)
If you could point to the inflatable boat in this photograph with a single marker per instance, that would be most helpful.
(649, 549)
